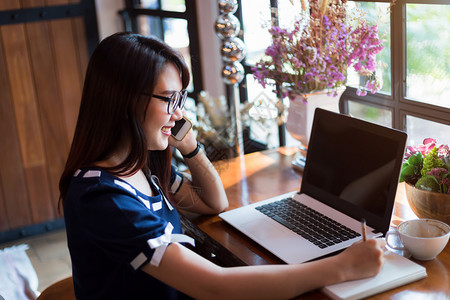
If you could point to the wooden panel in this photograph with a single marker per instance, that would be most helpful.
(67, 68)
(32, 3)
(42, 66)
(23, 94)
(50, 111)
(3, 214)
(13, 181)
(81, 42)
(29, 128)
(57, 2)
(42, 208)
(9, 4)
(50, 107)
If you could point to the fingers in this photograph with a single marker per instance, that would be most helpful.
(374, 256)
(378, 243)
(189, 142)
(364, 259)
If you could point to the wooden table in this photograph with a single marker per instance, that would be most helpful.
(262, 175)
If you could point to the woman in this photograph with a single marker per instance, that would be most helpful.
(120, 193)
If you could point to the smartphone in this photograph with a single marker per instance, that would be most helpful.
(181, 128)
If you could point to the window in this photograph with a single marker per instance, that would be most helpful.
(428, 54)
(174, 22)
(414, 65)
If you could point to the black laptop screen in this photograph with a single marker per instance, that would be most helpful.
(353, 166)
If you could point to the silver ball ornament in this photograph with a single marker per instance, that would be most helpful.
(233, 50)
(233, 73)
(227, 26)
(228, 6)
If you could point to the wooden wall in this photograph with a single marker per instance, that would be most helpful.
(42, 65)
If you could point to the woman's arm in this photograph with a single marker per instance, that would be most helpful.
(197, 277)
(202, 191)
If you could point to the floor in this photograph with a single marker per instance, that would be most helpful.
(49, 255)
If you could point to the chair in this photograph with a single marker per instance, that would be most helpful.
(61, 290)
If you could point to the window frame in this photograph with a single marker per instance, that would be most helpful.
(131, 12)
(397, 103)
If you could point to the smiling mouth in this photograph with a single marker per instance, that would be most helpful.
(166, 129)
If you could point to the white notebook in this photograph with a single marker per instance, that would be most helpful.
(396, 271)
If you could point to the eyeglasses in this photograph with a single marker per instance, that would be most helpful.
(176, 100)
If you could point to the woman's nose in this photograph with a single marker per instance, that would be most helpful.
(177, 114)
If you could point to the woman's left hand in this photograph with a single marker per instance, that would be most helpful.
(187, 145)
(202, 190)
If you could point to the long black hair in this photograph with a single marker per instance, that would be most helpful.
(112, 106)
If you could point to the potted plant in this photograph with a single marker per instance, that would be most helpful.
(316, 51)
(426, 172)
(309, 61)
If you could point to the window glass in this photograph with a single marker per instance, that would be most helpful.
(428, 53)
(262, 117)
(170, 5)
(148, 25)
(288, 12)
(175, 35)
(370, 113)
(174, 5)
(419, 129)
(256, 22)
(150, 4)
(375, 13)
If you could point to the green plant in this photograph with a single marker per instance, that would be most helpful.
(427, 166)
(431, 161)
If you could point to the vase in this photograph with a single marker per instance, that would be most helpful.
(300, 118)
(428, 205)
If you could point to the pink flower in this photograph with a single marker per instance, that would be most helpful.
(373, 86)
(427, 145)
(317, 52)
(438, 173)
(360, 92)
(444, 151)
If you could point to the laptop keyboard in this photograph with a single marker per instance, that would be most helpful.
(308, 223)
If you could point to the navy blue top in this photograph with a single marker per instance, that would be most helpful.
(108, 224)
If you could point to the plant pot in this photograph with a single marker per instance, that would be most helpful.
(428, 205)
(301, 115)
(300, 118)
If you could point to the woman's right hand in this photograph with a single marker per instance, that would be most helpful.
(362, 259)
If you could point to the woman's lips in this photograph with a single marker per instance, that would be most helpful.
(166, 130)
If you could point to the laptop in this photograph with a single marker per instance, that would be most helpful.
(351, 173)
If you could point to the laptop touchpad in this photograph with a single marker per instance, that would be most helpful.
(262, 229)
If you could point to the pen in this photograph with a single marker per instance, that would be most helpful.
(363, 229)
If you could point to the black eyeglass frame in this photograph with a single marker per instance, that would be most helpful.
(173, 102)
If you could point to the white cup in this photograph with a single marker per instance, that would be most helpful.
(423, 238)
